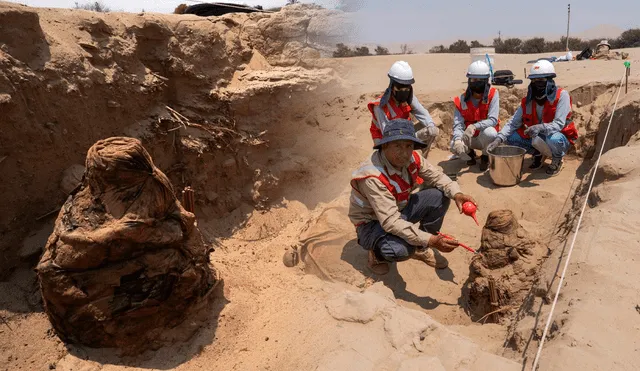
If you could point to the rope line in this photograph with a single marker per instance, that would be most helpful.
(575, 235)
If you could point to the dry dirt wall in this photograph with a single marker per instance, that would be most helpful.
(600, 285)
(69, 78)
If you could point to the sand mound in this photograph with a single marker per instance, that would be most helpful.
(601, 282)
(617, 162)
(383, 335)
(125, 259)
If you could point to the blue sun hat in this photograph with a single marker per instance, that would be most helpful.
(399, 129)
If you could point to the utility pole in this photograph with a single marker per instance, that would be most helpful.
(568, 21)
(499, 36)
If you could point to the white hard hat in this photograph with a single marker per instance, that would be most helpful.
(478, 70)
(542, 68)
(401, 73)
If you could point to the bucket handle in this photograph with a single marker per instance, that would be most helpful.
(518, 177)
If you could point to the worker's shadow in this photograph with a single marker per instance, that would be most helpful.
(355, 255)
(530, 178)
(456, 167)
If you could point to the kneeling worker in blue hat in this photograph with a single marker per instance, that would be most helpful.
(392, 222)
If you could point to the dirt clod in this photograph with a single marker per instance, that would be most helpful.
(291, 258)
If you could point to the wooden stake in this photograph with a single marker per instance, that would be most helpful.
(626, 80)
(188, 201)
(568, 20)
(525, 72)
(493, 296)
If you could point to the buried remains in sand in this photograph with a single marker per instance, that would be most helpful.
(125, 259)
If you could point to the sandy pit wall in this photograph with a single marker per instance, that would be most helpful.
(70, 77)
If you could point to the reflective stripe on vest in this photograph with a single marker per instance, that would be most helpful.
(391, 110)
(473, 114)
(530, 117)
(399, 188)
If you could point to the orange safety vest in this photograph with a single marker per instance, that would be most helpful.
(530, 117)
(473, 114)
(399, 188)
(392, 110)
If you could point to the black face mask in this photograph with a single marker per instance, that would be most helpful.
(477, 86)
(402, 96)
(539, 89)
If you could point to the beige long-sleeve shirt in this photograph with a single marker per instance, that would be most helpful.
(381, 205)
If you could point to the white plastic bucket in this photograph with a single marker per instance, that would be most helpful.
(479, 54)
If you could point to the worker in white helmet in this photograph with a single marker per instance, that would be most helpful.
(475, 118)
(603, 47)
(603, 51)
(543, 123)
(398, 101)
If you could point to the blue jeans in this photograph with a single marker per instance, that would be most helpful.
(428, 207)
(557, 142)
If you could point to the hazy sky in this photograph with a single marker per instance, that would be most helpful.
(387, 21)
(413, 20)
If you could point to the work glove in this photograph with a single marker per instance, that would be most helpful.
(534, 130)
(433, 131)
(422, 134)
(496, 142)
(459, 148)
(427, 134)
(469, 131)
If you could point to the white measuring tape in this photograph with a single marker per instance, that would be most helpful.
(575, 235)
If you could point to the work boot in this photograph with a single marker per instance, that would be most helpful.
(472, 154)
(377, 266)
(537, 162)
(555, 167)
(484, 162)
(432, 257)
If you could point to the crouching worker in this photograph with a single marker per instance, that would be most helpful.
(399, 102)
(392, 223)
(543, 123)
(475, 119)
